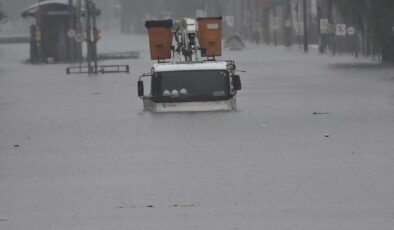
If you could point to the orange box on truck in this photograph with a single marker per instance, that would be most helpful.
(160, 38)
(210, 36)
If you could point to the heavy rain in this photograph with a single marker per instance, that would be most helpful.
(196, 114)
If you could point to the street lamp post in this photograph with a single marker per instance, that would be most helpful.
(304, 9)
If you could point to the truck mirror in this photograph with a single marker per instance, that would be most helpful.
(140, 89)
(237, 82)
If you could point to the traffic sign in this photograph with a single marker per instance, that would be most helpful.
(275, 23)
(71, 33)
(331, 28)
(37, 35)
(351, 30)
(341, 30)
(324, 26)
(79, 37)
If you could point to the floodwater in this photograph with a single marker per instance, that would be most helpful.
(310, 147)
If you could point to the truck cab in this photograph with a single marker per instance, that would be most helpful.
(191, 87)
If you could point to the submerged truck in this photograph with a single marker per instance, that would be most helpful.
(188, 77)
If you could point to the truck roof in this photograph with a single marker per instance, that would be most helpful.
(167, 67)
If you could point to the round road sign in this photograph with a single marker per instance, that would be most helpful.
(79, 37)
(351, 30)
(71, 33)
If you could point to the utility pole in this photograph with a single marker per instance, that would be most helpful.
(304, 9)
(287, 23)
(233, 29)
(92, 36)
(273, 17)
(88, 35)
(79, 31)
(242, 18)
(38, 33)
(95, 36)
(70, 47)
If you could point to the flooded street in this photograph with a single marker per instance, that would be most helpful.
(310, 147)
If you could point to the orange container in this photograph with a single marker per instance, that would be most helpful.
(210, 36)
(160, 38)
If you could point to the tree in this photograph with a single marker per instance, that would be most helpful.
(382, 23)
(3, 16)
(375, 19)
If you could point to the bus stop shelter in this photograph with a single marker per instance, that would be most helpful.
(52, 37)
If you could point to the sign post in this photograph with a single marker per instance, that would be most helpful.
(274, 25)
(304, 9)
(299, 28)
(351, 31)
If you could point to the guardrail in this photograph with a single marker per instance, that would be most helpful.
(119, 55)
(100, 69)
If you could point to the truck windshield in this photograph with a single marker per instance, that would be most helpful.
(196, 85)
